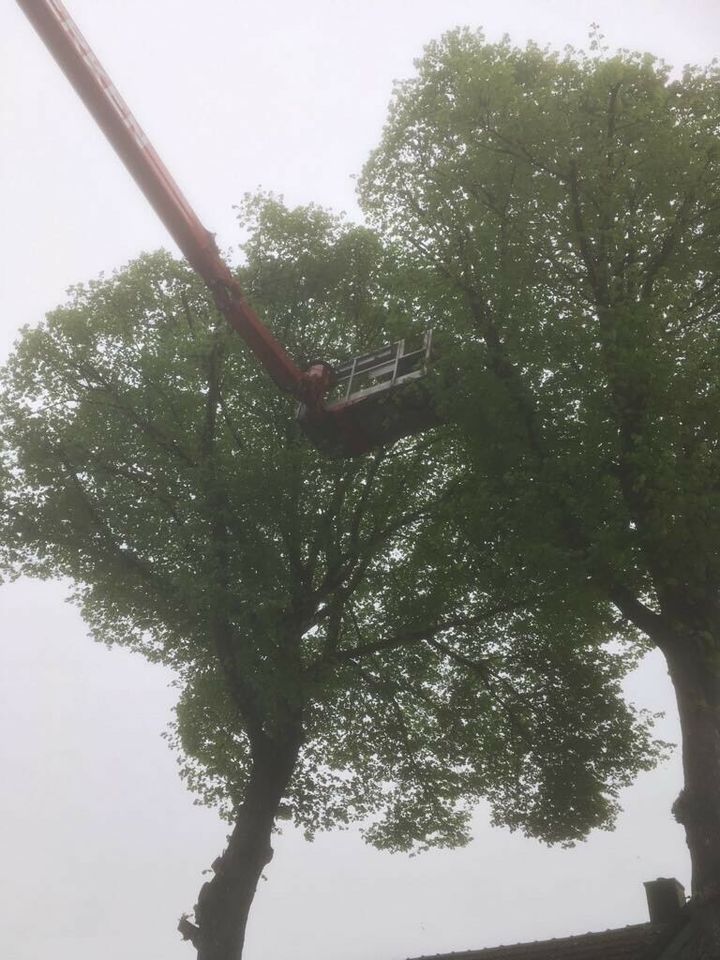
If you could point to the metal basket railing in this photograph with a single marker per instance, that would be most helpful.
(382, 369)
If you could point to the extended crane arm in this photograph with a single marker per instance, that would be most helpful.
(73, 54)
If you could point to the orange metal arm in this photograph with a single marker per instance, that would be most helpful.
(73, 54)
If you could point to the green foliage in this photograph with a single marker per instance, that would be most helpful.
(561, 216)
(146, 457)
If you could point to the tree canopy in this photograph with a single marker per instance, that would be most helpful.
(561, 216)
(344, 651)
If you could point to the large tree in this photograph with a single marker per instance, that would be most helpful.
(562, 215)
(333, 666)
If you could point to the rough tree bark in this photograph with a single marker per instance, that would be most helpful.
(693, 667)
(221, 912)
(695, 676)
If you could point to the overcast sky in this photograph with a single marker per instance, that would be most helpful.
(102, 848)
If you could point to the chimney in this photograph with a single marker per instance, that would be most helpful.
(666, 899)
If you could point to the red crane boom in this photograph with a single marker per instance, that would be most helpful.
(73, 54)
(375, 407)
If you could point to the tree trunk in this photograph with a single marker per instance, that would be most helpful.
(694, 668)
(223, 906)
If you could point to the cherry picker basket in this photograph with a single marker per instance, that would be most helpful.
(376, 398)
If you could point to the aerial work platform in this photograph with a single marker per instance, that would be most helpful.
(383, 395)
(374, 400)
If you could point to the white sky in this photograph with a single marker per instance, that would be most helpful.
(102, 848)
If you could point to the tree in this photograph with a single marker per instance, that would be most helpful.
(561, 214)
(332, 668)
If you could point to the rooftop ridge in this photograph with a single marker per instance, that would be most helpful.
(623, 941)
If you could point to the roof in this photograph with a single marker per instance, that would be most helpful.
(626, 943)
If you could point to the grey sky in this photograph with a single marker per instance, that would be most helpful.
(102, 848)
